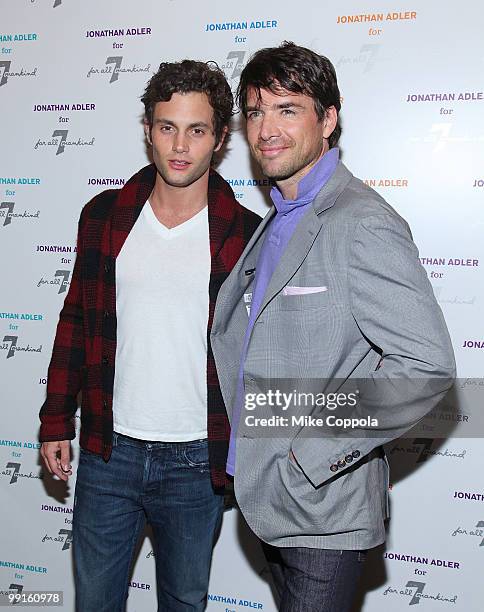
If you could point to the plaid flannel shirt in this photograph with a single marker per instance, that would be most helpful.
(83, 357)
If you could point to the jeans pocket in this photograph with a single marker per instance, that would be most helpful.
(196, 456)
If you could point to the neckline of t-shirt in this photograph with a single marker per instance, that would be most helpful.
(172, 232)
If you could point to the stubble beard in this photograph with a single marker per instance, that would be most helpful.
(287, 168)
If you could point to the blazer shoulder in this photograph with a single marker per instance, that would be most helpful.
(358, 201)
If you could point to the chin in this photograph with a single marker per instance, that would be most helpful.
(271, 172)
(276, 174)
(175, 180)
(180, 182)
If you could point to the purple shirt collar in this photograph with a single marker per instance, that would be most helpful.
(310, 185)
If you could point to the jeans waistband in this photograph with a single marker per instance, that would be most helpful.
(117, 437)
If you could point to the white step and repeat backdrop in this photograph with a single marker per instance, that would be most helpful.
(410, 74)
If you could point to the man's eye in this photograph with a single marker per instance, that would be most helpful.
(288, 112)
(253, 115)
(198, 132)
(166, 128)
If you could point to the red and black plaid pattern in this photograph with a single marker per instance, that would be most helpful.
(83, 356)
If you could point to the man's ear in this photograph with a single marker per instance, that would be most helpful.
(330, 120)
(147, 129)
(222, 138)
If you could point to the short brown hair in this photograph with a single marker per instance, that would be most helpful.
(191, 76)
(295, 69)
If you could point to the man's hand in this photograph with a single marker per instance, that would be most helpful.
(60, 466)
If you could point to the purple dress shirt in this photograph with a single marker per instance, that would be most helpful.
(278, 234)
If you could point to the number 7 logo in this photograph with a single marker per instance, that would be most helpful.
(426, 448)
(68, 540)
(13, 341)
(239, 56)
(419, 590)
(480, 524)
(6, 70)
(62, 141)
(16, 587)
(64, 275)
(372, 51)
(116, 60)
(8, 215)
(16, 469)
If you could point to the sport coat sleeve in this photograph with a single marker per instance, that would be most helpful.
(393, 305)
(67, 361)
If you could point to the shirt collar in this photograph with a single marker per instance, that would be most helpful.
(310, 185)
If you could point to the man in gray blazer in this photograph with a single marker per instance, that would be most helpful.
(329, 296)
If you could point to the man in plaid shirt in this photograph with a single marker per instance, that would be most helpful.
(133, 336)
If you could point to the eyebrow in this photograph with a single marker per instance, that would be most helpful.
(280, 106)
(192, 125)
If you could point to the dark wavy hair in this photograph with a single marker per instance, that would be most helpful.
(295, 69)
(191, 76)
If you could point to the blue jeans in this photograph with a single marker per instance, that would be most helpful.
(314, 580)
(164, 483)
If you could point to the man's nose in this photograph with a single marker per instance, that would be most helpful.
(180, 143)
(269, 127)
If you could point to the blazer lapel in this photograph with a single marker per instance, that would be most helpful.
(305, 234)
(297, 249)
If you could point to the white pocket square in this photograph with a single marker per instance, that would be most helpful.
(288, 290)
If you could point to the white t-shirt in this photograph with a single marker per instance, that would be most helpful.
(162, 301)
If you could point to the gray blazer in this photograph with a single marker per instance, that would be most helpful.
(372, 317)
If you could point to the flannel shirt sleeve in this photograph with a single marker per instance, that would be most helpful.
(67, 362)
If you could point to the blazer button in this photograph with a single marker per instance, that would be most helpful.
(106, 267)
(356, 454)
(349, 458)
(334, 468)
(341, 463)
(105, 360)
